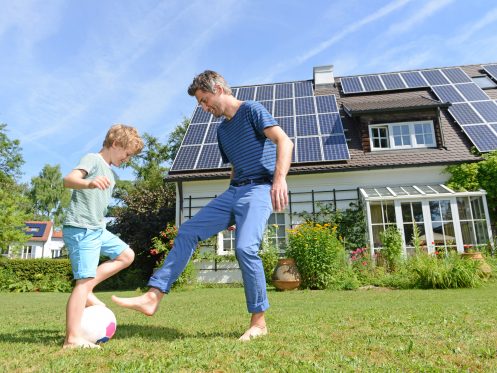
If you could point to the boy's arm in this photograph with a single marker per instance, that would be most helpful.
(76, 180)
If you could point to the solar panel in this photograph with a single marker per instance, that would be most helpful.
(447, 93)
(283, 108)
(351, 85)
(304, 105)
(284, 90)
(482, 137)
(491, 70)
(287, 124)
(297, 116)
(434, 77)
(195, 134)
(464, 114)
(303, 89)
(246, 93)
(393, 81)
(210, 157)
(186, 158)
(456, 75)
(471, 92)
(308, 149)
(372, 83)
(36, 229)
(330, 124)
(326, 104)
(335, 148)
(307, 125)
(414, 79)
(234, 91)
(200, 116)
(487, 109)
(211, 136)
(264, 92)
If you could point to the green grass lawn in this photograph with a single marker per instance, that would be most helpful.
(197, 330)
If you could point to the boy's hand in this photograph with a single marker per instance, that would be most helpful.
(100, 182)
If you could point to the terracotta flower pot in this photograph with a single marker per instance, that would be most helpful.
(285, 275)
(484, 266)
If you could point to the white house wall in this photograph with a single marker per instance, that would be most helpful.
(349, 180)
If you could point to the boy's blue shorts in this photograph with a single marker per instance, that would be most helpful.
(85, 246)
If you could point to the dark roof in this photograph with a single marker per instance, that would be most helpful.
(456, 145)
(394, 105)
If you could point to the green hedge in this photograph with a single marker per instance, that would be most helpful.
(22, 275)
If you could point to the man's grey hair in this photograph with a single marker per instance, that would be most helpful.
(206, 81)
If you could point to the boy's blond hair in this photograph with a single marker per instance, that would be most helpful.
(124, 136)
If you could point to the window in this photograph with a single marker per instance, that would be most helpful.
(382, 216)
(276, 230)
(443, 225)
(473, 222)
(484, 82)
(27, 252)
(228, 238)
(412, 214)
(403, 135)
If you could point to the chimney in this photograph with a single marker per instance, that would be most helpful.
(323, 76)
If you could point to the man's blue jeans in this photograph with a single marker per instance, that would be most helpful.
(247, 206)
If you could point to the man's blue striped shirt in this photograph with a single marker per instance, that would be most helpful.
(243, 144)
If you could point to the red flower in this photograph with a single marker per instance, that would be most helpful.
(232, 227)
(364, 263)
(154, 251)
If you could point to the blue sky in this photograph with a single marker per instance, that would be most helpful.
(71, 69)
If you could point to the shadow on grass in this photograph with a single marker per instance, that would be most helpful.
(56, 336)
(168, 334)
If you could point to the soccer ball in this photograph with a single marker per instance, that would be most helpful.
(98, 324)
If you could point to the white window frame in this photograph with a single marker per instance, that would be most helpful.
(412, 135)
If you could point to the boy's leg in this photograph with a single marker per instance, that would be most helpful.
(211, 219)
(74, 313)
(252, 211)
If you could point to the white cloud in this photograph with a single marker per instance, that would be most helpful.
(420, 15)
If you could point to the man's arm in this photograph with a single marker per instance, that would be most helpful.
(76, 180)
(284, 148)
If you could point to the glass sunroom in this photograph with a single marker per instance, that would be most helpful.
(447, 220)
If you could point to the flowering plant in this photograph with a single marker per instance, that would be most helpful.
(163, 243)
(360, 258)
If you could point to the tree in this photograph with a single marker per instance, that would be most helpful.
(176, 137)
(11, 159)
(48, 195)
(14, 205)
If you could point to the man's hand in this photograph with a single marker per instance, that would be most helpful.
(279, 194)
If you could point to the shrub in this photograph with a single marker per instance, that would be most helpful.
(269, 255)
(391, 239)
(452, 271)
(318, 253)
(35, 275)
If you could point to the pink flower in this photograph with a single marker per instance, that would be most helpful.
(364, 263)
(232, 228)
(154, 251)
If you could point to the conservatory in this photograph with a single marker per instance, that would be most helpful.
(446, 220)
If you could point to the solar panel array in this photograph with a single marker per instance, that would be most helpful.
(472, 109)
(35, 229)
(312, 122)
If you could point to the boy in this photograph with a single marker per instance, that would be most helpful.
(84, 230)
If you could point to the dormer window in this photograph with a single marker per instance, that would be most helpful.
(403, 135)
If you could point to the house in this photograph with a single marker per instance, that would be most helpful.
(45, 242)
(381, 139)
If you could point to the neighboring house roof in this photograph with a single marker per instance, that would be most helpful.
(453, 145)
(57, 233)
(38, 230)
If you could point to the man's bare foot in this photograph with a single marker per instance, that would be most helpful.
(147, 303)
(79, 343)
(92, 300)
(254, 331)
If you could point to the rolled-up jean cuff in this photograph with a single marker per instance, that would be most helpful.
(255, 308)
(153, 284)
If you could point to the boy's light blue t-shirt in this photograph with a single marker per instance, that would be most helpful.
(88, 207)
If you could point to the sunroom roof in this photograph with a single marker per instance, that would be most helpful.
(410, 191)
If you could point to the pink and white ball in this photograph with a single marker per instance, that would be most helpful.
(98, 324)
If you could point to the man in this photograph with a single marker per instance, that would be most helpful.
(260, 154)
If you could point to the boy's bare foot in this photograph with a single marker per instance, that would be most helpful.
(79, 343)
(254, 331)
(92, 300)
(147, 303)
